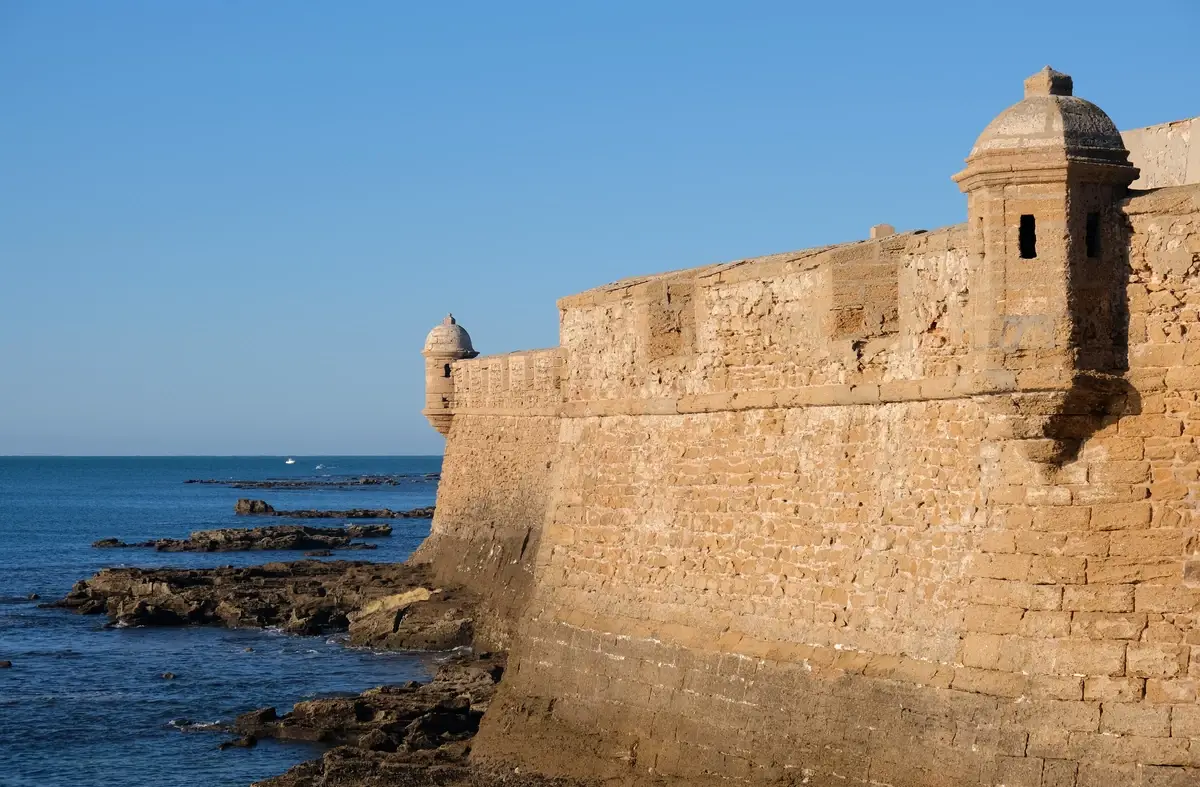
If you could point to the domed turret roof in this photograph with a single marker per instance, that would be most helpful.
(1042, 137)
(449, 338)
(1052, 120)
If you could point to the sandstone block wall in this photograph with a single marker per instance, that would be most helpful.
(521, 384)
(1166, 153)
(774, 530)
(495, 487)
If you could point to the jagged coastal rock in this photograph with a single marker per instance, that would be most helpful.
(247, 507)
(413, 716)
(245, 742)
(368, 531)
(284, 537)
(412, 734)
(385, 605)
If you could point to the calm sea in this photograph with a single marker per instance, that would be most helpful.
(84, 705)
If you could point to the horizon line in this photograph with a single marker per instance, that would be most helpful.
(209, 456)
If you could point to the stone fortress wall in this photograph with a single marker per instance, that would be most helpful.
(496, 476)
(916, 510)
(1166, 153)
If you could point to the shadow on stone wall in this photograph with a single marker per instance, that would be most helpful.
(1099, 394)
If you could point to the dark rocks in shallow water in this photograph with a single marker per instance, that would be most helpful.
(33, 597)
(368, 531)
(413, 734)
(247, 507)
(234, 539)
(256, 718)
(245, 742)
(411, 716)
(116, 543)
(319, 553)
(392, 604)
(276, 537)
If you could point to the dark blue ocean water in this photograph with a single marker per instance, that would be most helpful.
(84, 705)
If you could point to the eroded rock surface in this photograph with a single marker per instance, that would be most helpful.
(413, 716)
(303, 597)
(412, 734)
(233, 539)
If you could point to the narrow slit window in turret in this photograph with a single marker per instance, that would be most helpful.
(1028, 237)
(1093, 235)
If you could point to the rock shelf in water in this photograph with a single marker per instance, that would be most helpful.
(380, 605)
(284, 537)
(247, 507)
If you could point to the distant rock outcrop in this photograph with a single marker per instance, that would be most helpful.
(247, 507)
(286, 537)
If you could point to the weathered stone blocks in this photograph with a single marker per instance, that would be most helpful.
(849, 515)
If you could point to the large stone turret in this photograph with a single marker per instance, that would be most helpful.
(446, 343)
(1042, 182)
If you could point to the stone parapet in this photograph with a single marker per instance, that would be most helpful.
(1168, 154)
(874, 312)
(519, 383)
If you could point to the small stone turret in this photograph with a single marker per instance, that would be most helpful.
(445, 344)
(1048, 266)
(1042, 183)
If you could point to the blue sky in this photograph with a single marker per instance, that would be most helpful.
(226, 227)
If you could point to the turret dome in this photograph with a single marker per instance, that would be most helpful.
(1046, 134)
(449, 338)
(1052, 120)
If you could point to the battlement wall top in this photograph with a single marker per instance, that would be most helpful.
(1167, 154)
(860, 312)
(527, 382)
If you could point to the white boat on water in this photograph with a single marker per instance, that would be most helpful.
(289, 461)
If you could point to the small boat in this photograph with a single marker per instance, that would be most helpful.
(289, 461)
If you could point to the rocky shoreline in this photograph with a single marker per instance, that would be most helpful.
(281, 537)
(422, 728)
(380, 605)
(407, 734)
(248, 507)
